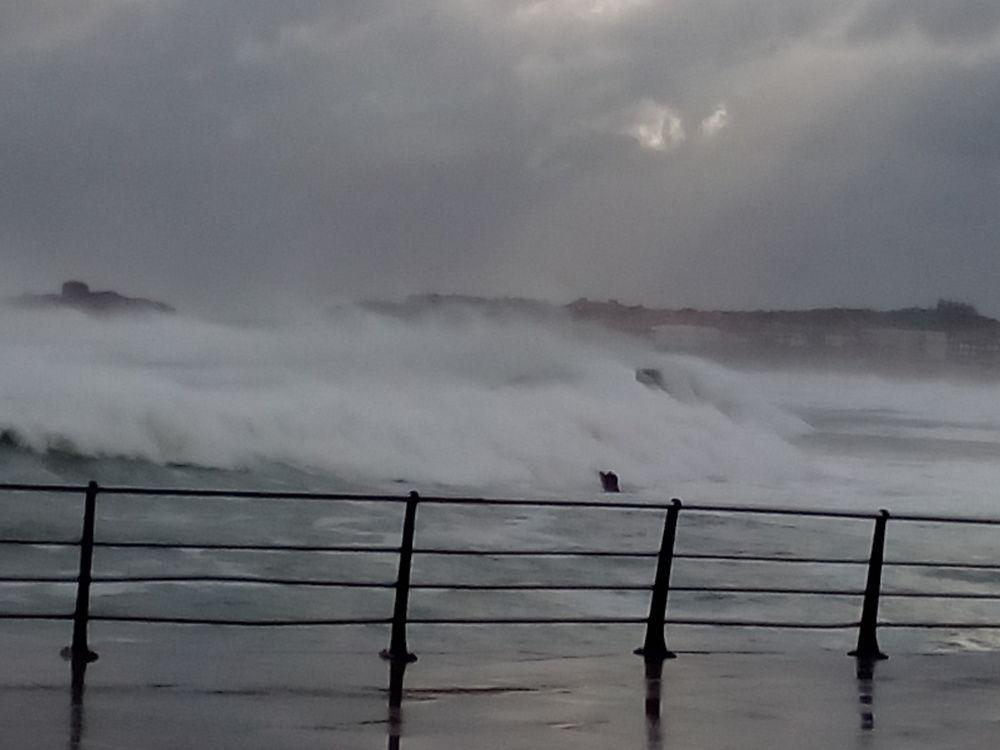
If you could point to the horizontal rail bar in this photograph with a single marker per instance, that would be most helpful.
(265, 581)
(330, 496)
(947, 565)
(536, 621)
(766, 590)
(527, 502)
(268, 581)
(252, 547)
(239, 623)
(509, 621)
(636, 587)
(603, 504)
(324, 583)
(468, 552)
(35, 616)
(439, 621)
(528, 587)
(377, 549)
(633, 621)
(772, 558)
(705, 590)
(527, 621)
(778, 510)
(495, 553)
(942, 625)
(485, 501)
(929, 518)
(20, 487)
(42, 542)
(614, 553)
(306, 582)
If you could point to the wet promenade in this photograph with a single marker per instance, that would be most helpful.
(228, 689)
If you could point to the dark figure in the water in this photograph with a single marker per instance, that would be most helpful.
(609, 481)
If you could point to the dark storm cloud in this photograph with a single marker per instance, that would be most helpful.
(778, 153)
(952, 21)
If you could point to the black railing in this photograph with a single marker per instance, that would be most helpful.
(654, 645)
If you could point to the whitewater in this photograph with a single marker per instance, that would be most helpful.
(453, 399)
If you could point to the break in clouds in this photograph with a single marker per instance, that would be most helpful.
(726, 154)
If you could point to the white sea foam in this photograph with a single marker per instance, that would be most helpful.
(455, 399)
(946, 409)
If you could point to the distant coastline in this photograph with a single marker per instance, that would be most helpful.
(949, 332)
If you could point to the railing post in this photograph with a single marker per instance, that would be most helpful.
(397, 650)
(867, 635)
(79, 652)
(655, 645)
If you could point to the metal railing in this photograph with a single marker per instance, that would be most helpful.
(654, 645)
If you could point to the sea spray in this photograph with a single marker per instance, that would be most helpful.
(450, 399)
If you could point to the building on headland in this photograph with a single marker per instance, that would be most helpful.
(79, 296)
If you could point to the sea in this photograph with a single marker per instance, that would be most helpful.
(455, 402)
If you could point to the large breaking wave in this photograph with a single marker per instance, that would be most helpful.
(454, 398)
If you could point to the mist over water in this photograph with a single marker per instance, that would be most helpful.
(453, 399)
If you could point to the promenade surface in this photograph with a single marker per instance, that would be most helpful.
(183, 687)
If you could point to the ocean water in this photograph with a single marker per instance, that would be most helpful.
(459, 403)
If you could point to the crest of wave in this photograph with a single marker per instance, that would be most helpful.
(451, 399)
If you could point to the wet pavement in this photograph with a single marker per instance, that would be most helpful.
(204, 688)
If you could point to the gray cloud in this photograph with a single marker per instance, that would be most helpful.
(212, 153)
(955, 21)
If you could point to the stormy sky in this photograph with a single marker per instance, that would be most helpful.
(775, 153)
